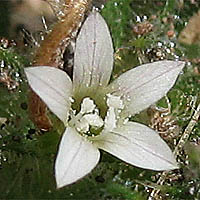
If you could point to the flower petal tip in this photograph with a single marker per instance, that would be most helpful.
(180, 64)
(175, 165)
(172, 166)
(168, 165)
(60, 183)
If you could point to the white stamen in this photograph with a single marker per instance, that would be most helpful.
(114, 101)
(82, 126)
(71, 99)
(89, 114)
(87, 105)
(93, 120)
(125, 121)
(110, 120)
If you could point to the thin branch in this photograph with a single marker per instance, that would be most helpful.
(51, 51)
(184, 138)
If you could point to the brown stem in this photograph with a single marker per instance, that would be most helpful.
(51, 51)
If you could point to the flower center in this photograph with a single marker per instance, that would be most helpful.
(88, 121)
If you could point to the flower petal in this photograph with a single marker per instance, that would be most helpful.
(93, 61)
(138, 145)
(146, 84)
(53, 86)
(76, 158)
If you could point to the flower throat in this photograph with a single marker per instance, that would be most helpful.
(89, 122)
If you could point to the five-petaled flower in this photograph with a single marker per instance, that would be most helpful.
(96, 114)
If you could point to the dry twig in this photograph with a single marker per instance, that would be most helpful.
(184, 138)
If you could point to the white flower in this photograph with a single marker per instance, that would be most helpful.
(96, 114)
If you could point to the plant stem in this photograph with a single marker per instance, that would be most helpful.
(51, 51)
(184, 138)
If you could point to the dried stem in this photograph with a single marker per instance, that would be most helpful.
(51, 51)
(184, 138)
